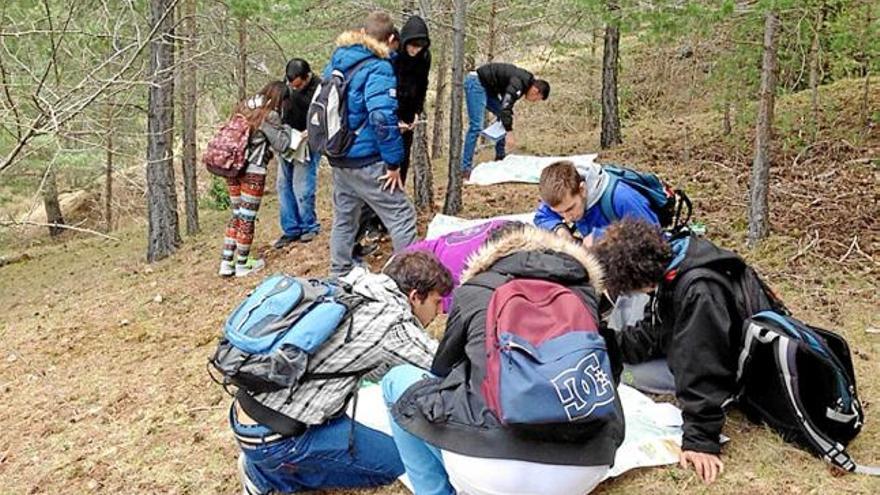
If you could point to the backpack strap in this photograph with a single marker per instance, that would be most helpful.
(490, 280)
(606, 202)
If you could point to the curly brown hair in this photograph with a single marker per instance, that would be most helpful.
(634, 255)
(420, 271)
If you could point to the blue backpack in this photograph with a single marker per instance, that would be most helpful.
(269, 337)
(799, 380)
(665, 202)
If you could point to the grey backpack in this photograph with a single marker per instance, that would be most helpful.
(327, 124)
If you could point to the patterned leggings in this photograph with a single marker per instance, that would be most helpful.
(245, 194)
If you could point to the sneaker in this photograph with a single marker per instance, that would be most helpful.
(361, 251)
(227, 268)
(285, 241)
(308, 237)
(252, 265)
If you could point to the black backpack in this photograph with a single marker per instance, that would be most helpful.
(327, 124)
(799, 380)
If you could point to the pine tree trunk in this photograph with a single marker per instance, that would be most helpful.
(442, 71)
(610, 135)
(814, 73)
(453, 190)
(423, 185)
(242, 59)
(50, 202)
(163, 230)
(108, 174)
(493, 31)
(726, 127)
(189, 100)
(758, 204)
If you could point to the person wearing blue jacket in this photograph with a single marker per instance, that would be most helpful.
(369, 174)
(571, 201)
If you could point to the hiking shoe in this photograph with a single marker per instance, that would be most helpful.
(252, 265)
(308, 237)
(227, 268)
(361, 251)
(285, 241)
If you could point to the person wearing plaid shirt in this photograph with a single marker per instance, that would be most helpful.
(302, 439)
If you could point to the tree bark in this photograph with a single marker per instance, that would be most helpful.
(242, 59)
(814, 72)
(189, 100)
(758, 204)
(610, 135)
(108, 174)
(493, 31)
(726, 127)
(453, 190)
(423, 185)
(163, 230)
(54, 216)
(440, 101)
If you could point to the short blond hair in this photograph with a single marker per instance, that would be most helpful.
(379, 25)
(558, 181)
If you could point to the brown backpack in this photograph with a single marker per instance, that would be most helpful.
(225, 154)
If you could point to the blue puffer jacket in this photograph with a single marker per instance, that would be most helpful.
(372, 99)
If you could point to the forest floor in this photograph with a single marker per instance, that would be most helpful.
(103, 385)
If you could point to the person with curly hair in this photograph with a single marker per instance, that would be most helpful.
(703, 295)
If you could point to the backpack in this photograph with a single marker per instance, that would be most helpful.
(268, 339)
(799, 380)
(665, 202)
(328, 128)
(225, 154)
(548, 371)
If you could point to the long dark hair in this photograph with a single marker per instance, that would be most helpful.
(270, 96)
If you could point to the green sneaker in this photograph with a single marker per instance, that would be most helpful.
(252, 265)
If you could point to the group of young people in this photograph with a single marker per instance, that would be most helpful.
(386, 72)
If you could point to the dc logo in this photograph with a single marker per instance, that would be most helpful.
(583, 388)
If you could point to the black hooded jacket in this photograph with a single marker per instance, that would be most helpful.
(295, 106)
(450, 412)
(696, 322)
(508, 82)
(412, 72)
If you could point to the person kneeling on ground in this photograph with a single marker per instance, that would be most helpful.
(445, 423)
(328, 449)
(703, 295)
(571, 195)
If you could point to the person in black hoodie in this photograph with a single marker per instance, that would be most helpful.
(703, 295)
(412, 63)
(496, 87)
(297, 180)
(446, 433)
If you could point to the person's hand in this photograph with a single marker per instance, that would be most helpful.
(391, 180)
(562, 231)
(304, 134)
(404, 127)
(509, 140)
(707, 466)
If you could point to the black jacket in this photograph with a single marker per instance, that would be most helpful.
(507, 82)
(412, 72)
(696, 322)
(449, 411)
(295, 106)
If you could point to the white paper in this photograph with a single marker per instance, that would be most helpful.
(443, 224)
(522, 168)
(495, 132)
(298, 147)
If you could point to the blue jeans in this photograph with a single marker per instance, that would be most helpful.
(319, 458)
(477, 103)
(296, 196)
(423, 461)
(653, 377)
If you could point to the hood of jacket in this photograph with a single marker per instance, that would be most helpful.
(692, 252)
(377, 287)
(534, 253)
(596, 181)
(414, 28)
(356, 46)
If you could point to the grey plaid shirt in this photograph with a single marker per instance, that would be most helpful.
(384, 333)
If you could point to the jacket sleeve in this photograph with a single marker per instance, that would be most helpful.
(380, 95)
(515, 89)
(702, 362)
(278, 134)
(546, 218)
(452, 347)
(630, 203)
(641, 342)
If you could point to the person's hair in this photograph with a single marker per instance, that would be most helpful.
(297, 67)
(420, 42)
(558, 181)
(633, 254)
(543, 87)
(256, 108)
(395, 34)
(420, 271)
(378, 25)
(505, 229)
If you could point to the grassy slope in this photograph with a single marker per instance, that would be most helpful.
(104, 389)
